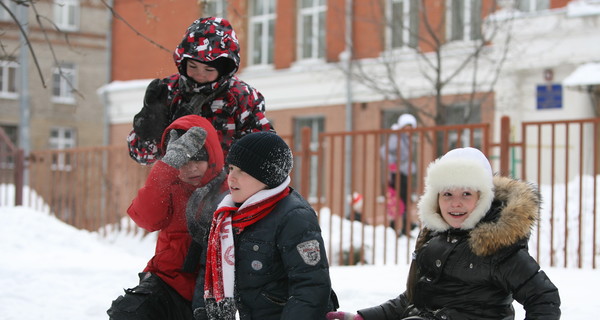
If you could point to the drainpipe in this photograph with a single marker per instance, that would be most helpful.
(24, 101)
(349, 114)
(105, 102)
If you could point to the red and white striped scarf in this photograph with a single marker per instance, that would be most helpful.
(220, 257)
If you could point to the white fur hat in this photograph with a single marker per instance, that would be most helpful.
(406, 119)
(461, 167)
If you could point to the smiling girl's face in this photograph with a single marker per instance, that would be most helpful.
(456, 205)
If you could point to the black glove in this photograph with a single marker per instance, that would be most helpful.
(181, 149)
(153, 119)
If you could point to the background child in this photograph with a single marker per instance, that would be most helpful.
(206, 59)
(397, 156)
(471, 259)
(265, 241)
(193, 162)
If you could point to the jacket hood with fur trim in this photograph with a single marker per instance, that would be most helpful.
(517, 211)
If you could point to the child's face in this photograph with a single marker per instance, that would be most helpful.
(242, 185)
(193, 171)
(457, 204)
(201, 72)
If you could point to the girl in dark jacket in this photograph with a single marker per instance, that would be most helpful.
(471, 259)
(266, 258)
(188, 179)
(207, 59)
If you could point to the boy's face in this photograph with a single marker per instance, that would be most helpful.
(242, 185)
(457, 204)
(193, 171)
(201, 72)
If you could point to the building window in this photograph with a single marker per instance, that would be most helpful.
(7, 160)
(63, 83)
(214, 8)
(66, 14)
(12, 6)
(311, 29)
(463, 20)
(262, 23)
(533, 5)
(317, 126)
(8, 79)
(404, 23)
(61, 138)
(460, 113)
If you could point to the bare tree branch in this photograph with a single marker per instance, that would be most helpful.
(35, 60)
(118, 16)
(38, 18)
(440, 62)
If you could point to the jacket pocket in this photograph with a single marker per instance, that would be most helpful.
(256, 257)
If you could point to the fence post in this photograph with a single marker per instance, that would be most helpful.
(504, 146)
(19, 176)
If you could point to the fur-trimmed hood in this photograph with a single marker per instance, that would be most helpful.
(510, 220)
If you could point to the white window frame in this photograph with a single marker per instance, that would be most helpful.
(4, 16)
(532, 5)
(315, 12)
(468, 20)
(261, 32)
(214, 8)
(58, 141)
(9, 79)
(65, 82)
(67, 14)
(317, 126)
(410, 24)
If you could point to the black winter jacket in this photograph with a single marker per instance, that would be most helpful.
(477, 273)
(273, 279)
(281, 266)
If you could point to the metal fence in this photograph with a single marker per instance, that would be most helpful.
(92, 187)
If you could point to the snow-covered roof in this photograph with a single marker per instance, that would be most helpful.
(586, 74)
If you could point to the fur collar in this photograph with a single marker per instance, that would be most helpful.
(516, 218)
(519, 211)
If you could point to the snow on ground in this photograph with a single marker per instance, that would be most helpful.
(50, 270)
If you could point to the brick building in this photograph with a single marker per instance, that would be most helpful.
(69, 38)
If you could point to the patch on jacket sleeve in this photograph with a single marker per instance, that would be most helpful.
(310, 252)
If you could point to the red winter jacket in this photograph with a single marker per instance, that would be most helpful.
(160, 206)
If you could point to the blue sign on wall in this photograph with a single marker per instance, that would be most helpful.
(549, 96)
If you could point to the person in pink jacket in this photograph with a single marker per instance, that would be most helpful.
(189, 176)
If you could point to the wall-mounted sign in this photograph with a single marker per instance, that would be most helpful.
(549, 96)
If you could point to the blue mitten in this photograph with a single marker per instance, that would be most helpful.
(181, 149)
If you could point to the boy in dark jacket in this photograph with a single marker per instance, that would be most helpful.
(471, 259)
(266, 258)
(190, 175)
(207, 59)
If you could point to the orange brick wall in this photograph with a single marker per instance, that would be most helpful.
(135, 57)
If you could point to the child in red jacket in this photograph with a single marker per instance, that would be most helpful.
(190, 175)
